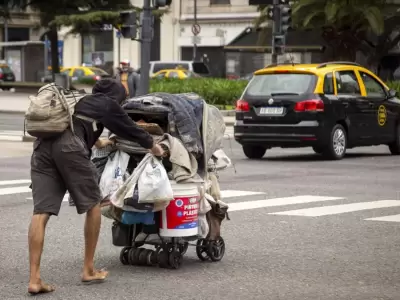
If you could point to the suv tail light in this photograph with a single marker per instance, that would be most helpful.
(242, 106)
(309, 105)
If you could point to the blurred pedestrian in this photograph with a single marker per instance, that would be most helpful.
(128, 77)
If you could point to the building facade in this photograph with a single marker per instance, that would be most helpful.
(220, 22)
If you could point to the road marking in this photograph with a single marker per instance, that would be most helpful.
(224, 194)
(339, 209)
(15, 190)
(279, 202)
(234, 193)
(392, 218)
(13, 182)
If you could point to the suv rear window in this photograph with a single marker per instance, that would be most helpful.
(200, 68)
(268, 84)
(167, 66)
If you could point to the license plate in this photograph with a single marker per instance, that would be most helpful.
(271, 111)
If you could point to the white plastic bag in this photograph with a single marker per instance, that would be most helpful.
(113, 176)
(153, 183)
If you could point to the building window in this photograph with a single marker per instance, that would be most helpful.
(220, 2)
(98, 50)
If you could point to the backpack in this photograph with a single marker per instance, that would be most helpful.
(50, 112)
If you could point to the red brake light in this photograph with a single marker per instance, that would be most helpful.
(309, 105)
(281, 71)
(97, 77)
(242, 106)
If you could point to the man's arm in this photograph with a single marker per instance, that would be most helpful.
(117, 121)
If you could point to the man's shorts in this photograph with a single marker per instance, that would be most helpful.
(62, 164)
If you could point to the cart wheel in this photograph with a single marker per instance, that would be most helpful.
(201, 249)
(143, 257)
(216, 249)
(183, 248)
(153, 259)
(175, 259)
(163, 261)
(124, 255)
(134, 255)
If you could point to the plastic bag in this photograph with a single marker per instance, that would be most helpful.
(153, 183)
(113, 175)
(147, 191)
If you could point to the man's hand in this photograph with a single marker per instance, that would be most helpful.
(157, 150)
(101, 143)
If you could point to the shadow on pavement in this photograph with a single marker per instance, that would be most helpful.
(316, 157)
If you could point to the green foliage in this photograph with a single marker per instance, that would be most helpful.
(216, 91)
(84, 23)
(394, 85)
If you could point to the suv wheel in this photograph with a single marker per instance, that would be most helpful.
(254, 152)
(336, 149)
(394, 147)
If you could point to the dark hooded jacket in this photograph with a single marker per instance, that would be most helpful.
(104, 106)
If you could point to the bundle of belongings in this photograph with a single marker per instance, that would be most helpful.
(135, 184)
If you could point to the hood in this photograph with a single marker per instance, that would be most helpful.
(112, 88)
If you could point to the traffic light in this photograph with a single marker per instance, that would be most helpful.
(285, 18)
(128, 27)
(278, 44)
(161, 3)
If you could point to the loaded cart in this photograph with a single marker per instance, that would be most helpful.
(172, 202)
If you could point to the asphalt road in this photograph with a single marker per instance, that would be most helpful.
(330, 251)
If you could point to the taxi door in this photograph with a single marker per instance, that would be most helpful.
(348, 91)
(382, 114)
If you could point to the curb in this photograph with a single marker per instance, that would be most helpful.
(26, 138)
(12, 112)
(228, 113)
(225, 113)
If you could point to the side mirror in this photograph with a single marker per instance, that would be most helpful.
(392, 94)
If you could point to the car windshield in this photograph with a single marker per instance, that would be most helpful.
(169, 66)
(5, 70)
(270, 84)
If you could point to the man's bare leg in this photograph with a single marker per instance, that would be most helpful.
(36, 241)
(92, 230)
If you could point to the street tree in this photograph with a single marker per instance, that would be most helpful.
(347, 26)
(82, 15)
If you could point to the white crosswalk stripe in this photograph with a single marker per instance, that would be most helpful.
(322, 206)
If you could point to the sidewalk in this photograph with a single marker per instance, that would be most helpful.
(14, 103)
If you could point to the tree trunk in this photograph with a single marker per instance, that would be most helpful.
(53, 38)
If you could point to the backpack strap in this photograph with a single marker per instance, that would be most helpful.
(90, 120)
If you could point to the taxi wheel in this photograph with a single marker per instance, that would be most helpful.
(395, 146)
(336, 149)
(254, 152)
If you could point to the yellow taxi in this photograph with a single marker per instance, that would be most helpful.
(80, 72)
(174, 73)
(330, 107)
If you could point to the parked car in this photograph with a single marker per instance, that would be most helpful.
(197, 67)
(331, 107)
(175, 73)
(79, 72)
